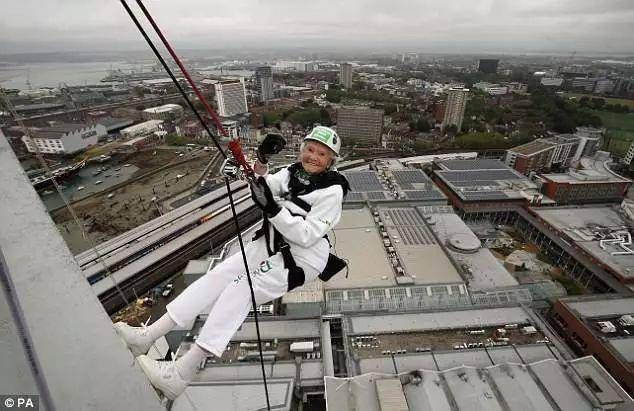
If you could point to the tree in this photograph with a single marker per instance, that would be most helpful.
(583, 101)
(389, 109)
(270, 118)
(334, 96)
(423, 125)
(597, 103)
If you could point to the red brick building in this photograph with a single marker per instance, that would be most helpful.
(600, 326)
(582, 187)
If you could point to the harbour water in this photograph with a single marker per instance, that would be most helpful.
(53, 74)
(87, 177)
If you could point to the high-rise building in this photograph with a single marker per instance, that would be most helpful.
(345, 75)
(360, 125)
(454, 107)
(231, 97)
(264, 81)
(489, 66)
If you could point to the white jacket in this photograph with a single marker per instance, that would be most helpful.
(305, 231)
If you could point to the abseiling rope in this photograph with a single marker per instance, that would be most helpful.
(211, 135)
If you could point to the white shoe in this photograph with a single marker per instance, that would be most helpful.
(163, 376)
(137, 338)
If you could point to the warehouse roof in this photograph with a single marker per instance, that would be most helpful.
(543, 385)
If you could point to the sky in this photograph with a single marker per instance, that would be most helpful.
(496, 26)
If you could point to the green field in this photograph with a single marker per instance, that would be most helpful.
(608, 100)
(616, 121)
(620, 130)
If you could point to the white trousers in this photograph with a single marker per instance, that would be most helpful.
(224, 293)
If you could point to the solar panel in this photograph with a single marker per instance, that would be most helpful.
(405, 178)
(363, 181)
(354, 196)
(424, 195)
(485, 195)
(477, 164)
(477, 175)
(375, 195)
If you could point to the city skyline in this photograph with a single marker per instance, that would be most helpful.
(491, 26)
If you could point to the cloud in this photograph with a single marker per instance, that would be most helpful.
(582, 25)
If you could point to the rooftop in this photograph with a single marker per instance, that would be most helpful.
(475, 318)
(392, 181)
(236, 395)
(532, 147)
(165, 108)
(485, 180)
(600, 306)
(594, 170)
(601, 231)
(357, 238)
(58, 130)
(549, 384)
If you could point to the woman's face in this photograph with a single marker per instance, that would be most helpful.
(315, 157)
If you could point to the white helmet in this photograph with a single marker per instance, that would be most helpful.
(325, 136)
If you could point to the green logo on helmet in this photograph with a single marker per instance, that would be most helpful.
(322, 135)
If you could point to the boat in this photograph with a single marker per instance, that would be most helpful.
(110, 195)
(96, 173)
(117, 169)
(98, 182)
(127, 165)
(80, 188)
(47, 192)
(106, 175)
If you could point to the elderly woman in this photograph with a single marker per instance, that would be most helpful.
(300, 204)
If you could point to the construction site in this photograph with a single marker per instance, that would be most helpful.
(162, 175)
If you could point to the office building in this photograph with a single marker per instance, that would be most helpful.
(264, 83)
(164, 112)
(589, 141)
(231, 97)
(345, 75)
(142, 129)
(544, 153)
(491, 89)
(601, 326)
(489, 66)
(360, 125)
(593, 183)
(454, 108)
(482, 185)
(604, 86)
(64, 138)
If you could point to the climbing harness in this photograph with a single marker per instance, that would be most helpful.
(302, 183)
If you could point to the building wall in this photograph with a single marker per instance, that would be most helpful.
(264, 82)
(231, 98)
(169, 114)
(81, 139)
(580, 193)
(488, 65)
(586, 343)
(563, 153)
(537, 162)
(454, 108)
(68, 143)
(360, 124)
(345, 75)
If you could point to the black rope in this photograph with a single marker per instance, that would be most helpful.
(231, 202)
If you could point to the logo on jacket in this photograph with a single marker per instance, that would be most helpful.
(265, 266)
